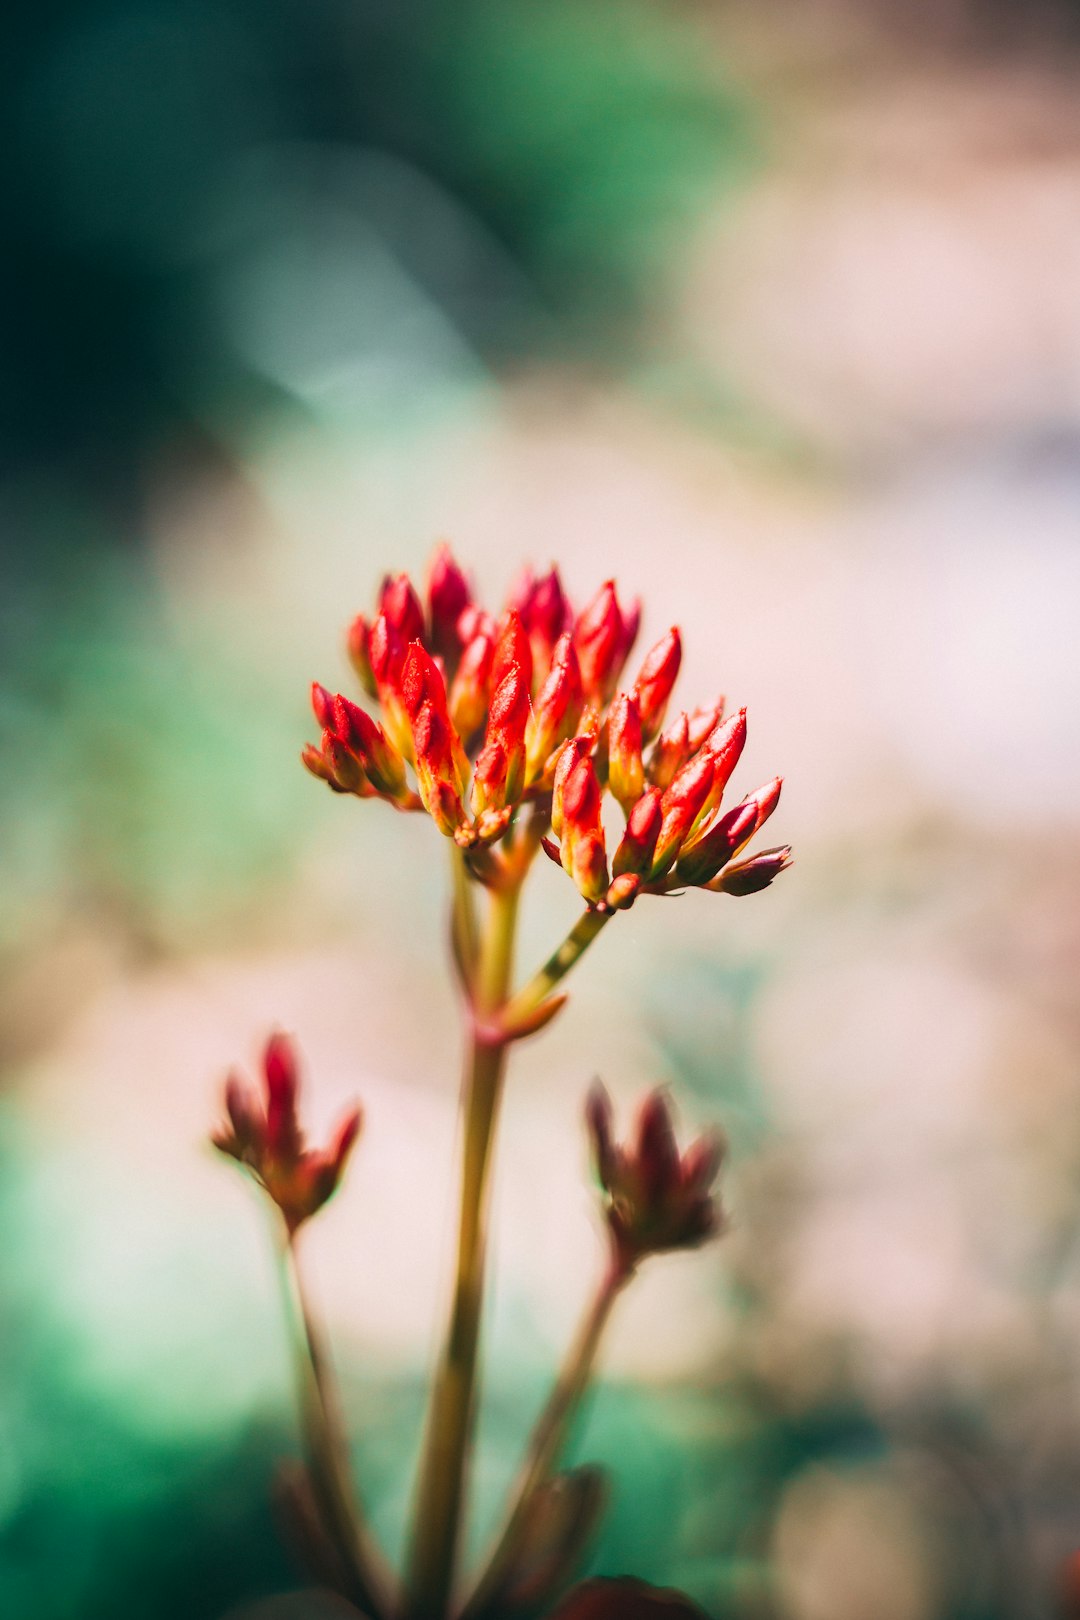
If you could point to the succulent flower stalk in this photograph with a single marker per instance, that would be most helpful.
(511, 733)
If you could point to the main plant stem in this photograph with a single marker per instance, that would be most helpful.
(439, 1501)
(325, 1448)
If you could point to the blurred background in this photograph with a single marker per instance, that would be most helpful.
(770, 309)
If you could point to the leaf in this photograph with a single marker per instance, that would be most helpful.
(548, 1548)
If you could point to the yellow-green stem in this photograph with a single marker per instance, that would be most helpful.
(547, 1441)
(442, 1477)
(558, 964)
(325, 1448)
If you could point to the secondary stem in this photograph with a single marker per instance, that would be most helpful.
(557, 965)
(442, 1477)
(548, 1439)
(325, 1448)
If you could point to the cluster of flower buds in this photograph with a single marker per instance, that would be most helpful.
(265, 1137)
(487, 714)
(654, 1198)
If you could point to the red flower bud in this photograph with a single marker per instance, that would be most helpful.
(581, 843)
(573, 750)
(681, 803)
(356, 644)
(269, 1142)
(557, 709)
(322, 704)
(748, 877)
(438, 773)
(701, 723)
(383, 765)
(623, 892)
(500, 769)
(545, 613)
(602, 638)
(725, 743)
(512, 651)
(344, 771)
(448, 596)
(400, 606)
(727, 835)
(469, 692)
(635, 852)
(670, 751)
(654, 1199)
(655, 681)
(626, 774)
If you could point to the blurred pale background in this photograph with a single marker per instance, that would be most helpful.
(771, 310)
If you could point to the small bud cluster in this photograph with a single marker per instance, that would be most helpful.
(265, 1137)
(654, 1198)
(481, 715)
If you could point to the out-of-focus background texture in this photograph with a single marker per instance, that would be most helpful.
(773, 310)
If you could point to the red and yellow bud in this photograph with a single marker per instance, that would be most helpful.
(471, 684)
(267, 1140)
(448, 596)
(654, 1199)
(635, 851)
(622, 892)
(512, 651)
(670, 751)
(400, 606)
(573, 750)
(556, 711)
(702, 722)
(546, 615)
(322, 706)
(682, 801)
(383, 765)
(754, 874)
(603, 637)
(728, 835)
(655, 681)
(626, 773)
(344, 771)
(581, 842)
(356, 644)
(725, 743)
(386, 651)
(438, 775)
(499, 778)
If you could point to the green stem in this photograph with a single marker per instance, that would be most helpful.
(548, 1440)
(325, 1448)
(557, 965)
(442, 1476)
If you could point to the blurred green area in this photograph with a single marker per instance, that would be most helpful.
(524, 167)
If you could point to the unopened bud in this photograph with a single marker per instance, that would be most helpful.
(437, 772)
(626, 774)
(581, 843)
(635, 851)
(623, 892)
(556, 711)
(400, 606)
(448, 596)
(681, 803)
(670, 751)
(356, 644)
(750, 876)
(512, 651)
(602, 638)
(652, 689)
(469, 692)
(499, 778)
